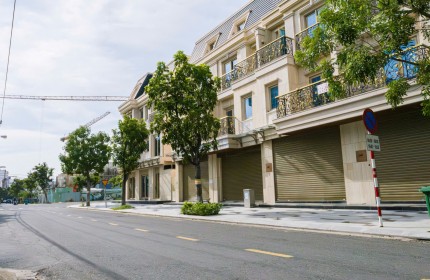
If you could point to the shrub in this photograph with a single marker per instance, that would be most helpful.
(122, 207)
(200, 209)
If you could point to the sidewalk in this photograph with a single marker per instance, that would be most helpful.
(403, 224)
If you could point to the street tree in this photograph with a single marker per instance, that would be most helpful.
(16, 187)
(183, 100)
(129, 141)
(41, 177)
(30, 185)
(366, 37)
(86, 154)
(81, 181)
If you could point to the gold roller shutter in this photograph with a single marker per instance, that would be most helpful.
(189, 172)
(309, 167)
(242, 170)
(403, 164)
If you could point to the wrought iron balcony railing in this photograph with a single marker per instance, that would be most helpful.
(232, 126)
(305, 33)
(308, 97)
(266, 54)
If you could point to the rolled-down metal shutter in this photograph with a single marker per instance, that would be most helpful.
(189, 173)
(309, 167)
(242, 170)
(403, 164)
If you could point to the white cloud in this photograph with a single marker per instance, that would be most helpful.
(80, 47)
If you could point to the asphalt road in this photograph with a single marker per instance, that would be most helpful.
(65, 243)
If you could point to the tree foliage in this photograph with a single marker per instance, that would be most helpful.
(85, 154)
(366, 35)
(128, 143)
(16, 187)
(183, 101)
(41, 177)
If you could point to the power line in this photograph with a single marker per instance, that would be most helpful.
(67, 98)
(8, 57)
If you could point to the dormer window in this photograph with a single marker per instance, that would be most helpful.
(211, 43)
(239, 24)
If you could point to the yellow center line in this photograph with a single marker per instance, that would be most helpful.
(112, 224)
(140, 229)
(268, 253)
(187, 238)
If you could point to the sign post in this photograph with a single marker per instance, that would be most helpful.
(105, 181)
(372, 144)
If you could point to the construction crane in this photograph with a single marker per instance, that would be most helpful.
(88, 124)
(68, 98)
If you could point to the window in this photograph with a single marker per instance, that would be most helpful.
(157, 146)
(395, 70)
(229, 65)
(273, 91)
(248, 107)
(230, 121)
(241, 26)
(280, 32)
(157, 186)
(312, 18)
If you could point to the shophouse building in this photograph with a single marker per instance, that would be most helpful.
(280, 133)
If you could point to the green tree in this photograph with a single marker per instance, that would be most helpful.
(184, 100)
(16, 187)
(366, 35)
(86, 154)
(30, 185)
(81, 181)
(128, 143)
(116, 181)
(41, 176)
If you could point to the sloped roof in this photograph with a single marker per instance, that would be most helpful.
(144, 84)
(257, 8)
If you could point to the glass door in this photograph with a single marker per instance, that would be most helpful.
(145, 187)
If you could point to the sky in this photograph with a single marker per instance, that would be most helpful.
(81, 47)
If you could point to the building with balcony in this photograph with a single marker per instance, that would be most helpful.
(280, 133)
(155, 178)
(283, 137)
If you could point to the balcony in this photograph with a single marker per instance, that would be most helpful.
(232, 126)
(314, 95)
(303, 34)
(249, 65)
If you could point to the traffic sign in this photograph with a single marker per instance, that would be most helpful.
(369, 121)
(105, 181)
(372, 143)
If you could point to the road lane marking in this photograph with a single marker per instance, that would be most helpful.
(20, 208)
(268, 253)
(94, 220)
(141, 229)
(79, 217)
(69, 215)
(187, 238)
(113, 224)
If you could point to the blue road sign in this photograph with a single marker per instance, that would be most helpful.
(369, 121)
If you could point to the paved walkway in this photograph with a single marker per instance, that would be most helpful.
(406, 224)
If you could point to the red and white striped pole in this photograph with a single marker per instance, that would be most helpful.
(376, 187)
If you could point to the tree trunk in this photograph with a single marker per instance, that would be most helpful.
(124, 181)
(88, 192)
(46, 195)
(198, 182)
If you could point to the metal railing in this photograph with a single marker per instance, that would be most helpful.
(232, 126)
(305, 33)
(308, 97)
(268, 53)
